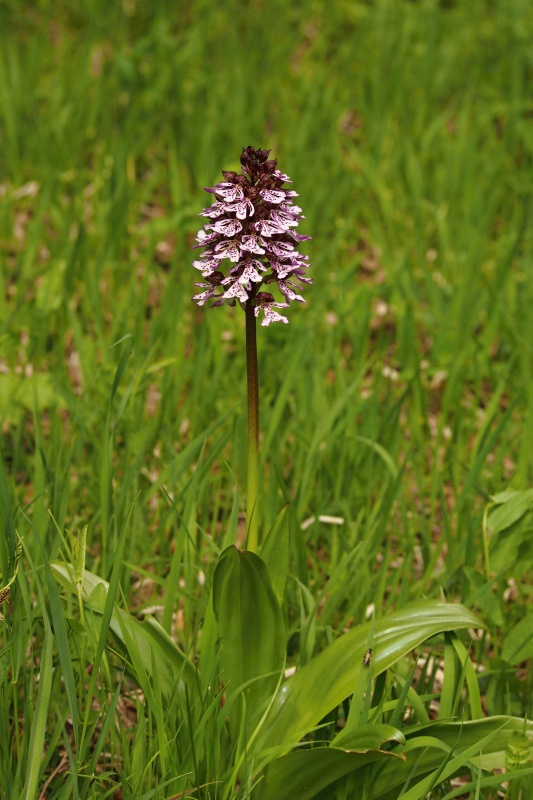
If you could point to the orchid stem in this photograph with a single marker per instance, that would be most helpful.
(252, 516)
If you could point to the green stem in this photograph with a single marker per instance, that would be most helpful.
(252, 515)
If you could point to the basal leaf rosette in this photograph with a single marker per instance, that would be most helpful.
(252, 227)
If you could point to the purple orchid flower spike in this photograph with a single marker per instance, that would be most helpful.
(252, 223)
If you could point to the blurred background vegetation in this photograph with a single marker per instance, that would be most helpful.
(398, 399)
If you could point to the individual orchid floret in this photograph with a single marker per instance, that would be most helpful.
(251, 224)
(214, 280)
(265, 302)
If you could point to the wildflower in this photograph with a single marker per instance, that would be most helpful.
(264, 302)
(252, 223)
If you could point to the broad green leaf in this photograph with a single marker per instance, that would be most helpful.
(511, 506)
(512, 548)
(275, 553)
(518, 644)
(325, 681)
(28, 391)
(303, 774)
(148, 637)
(250, 625)
(503, 497)
(369, 737)
(208, 649)
(483, 742)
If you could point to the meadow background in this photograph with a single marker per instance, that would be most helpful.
(397, 401)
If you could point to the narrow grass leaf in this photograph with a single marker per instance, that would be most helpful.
(106, 724)
(471, 677)
(7, 541)
(144, 637)
(61, 635)
(449, 682)
(185, 530)
(40, 717)
(275, 553)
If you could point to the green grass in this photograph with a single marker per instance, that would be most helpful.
(399, 398)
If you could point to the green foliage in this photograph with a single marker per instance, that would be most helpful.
(250, 628)
(396, 408)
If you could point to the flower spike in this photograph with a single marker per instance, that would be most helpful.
(252, 214)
